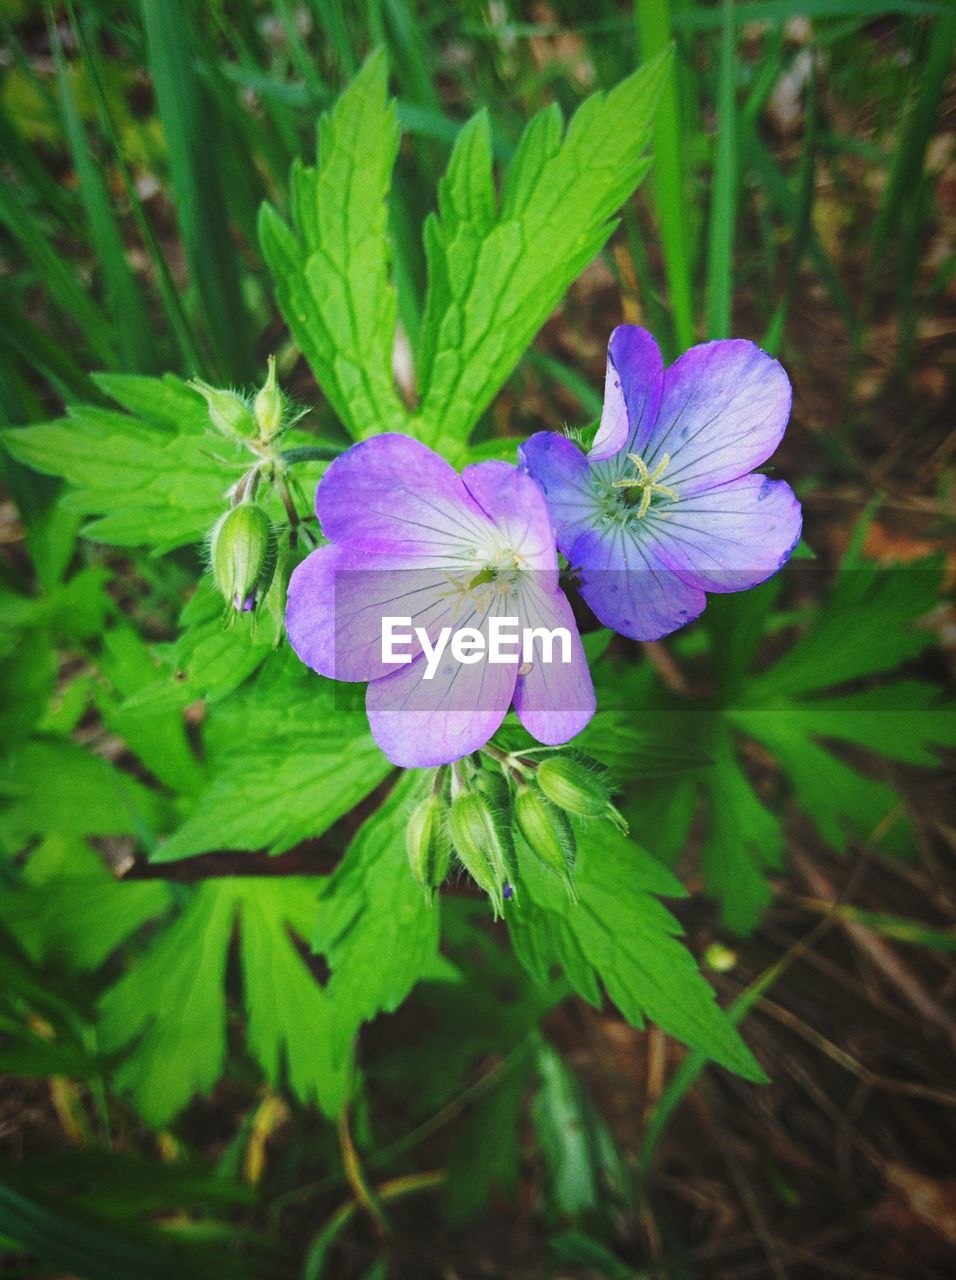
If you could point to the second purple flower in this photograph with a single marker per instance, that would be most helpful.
(667, 505)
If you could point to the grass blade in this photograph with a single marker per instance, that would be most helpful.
(653, 18)
(720, 260)
(200, 202)
(136, 346)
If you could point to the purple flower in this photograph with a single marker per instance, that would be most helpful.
(665, 505)
(412, 539)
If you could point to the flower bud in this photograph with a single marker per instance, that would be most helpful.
(490, 781)
(243, 555)
(427, 843)
(573, 787)
(547, 833)
(268, 405)
(228, 412)
(479, 842)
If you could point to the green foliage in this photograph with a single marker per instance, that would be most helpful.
(169, 1010)
(331, 273)
(374, 926)
(150, 479)
(495, 271)
(804, 710)
(269, 787)
(618, 935)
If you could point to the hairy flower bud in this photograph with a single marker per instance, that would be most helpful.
(480, 843)
(547, 832)
(228, 412)
(490, 781)
(243, 555)
(427, 843)
(578, 789)
(268, 405)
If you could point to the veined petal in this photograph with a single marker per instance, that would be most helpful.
(515, 506)
(393, 494)
(723, 411)
(561, 472)
(629, 583)
(554, 700)
(420, 723)
(632, 392)
(734, 536)
(338, 598)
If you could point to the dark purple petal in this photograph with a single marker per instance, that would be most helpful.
(629, 583)
(554, 700)
(734, 536)
(561, 472)
(516, 507)
(724, 409)
(632, 392)
(394, 494)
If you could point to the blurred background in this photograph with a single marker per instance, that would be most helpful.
(803, 195)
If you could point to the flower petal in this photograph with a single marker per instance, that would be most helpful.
(724, 409)
(632, 392)
(554, 700)
(561, 472)
(630, 585)
(420, 723)
(393, 494)
(338, 598)
(515, 506)
(734, 536)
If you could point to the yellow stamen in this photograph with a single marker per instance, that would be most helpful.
(647, 481)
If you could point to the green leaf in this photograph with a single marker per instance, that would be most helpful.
(54, 787)
(171, 1003)
(798, 709)
(71, 907)
(149, 479)
(374, 925)
(618, 935)
(286, 760)
(169, 1010)
(289, 1014)
(497, 272)
(331, 271)
(581, 1161)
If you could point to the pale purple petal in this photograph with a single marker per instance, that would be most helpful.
(420, 723)
(629, 583)
(632, 392)
(516, 507)
(734, 536)
(561, 472)
(338, 598)
(554, 700)
(724, 409)
(393, 494)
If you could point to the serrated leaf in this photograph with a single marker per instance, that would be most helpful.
(54, 787)
(147, 480)
(374, 926)
(619, 936)
(495, 274)
(71, 907)
(289, 1014)
(286, 761)
(169, 1010)
(332, 272)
